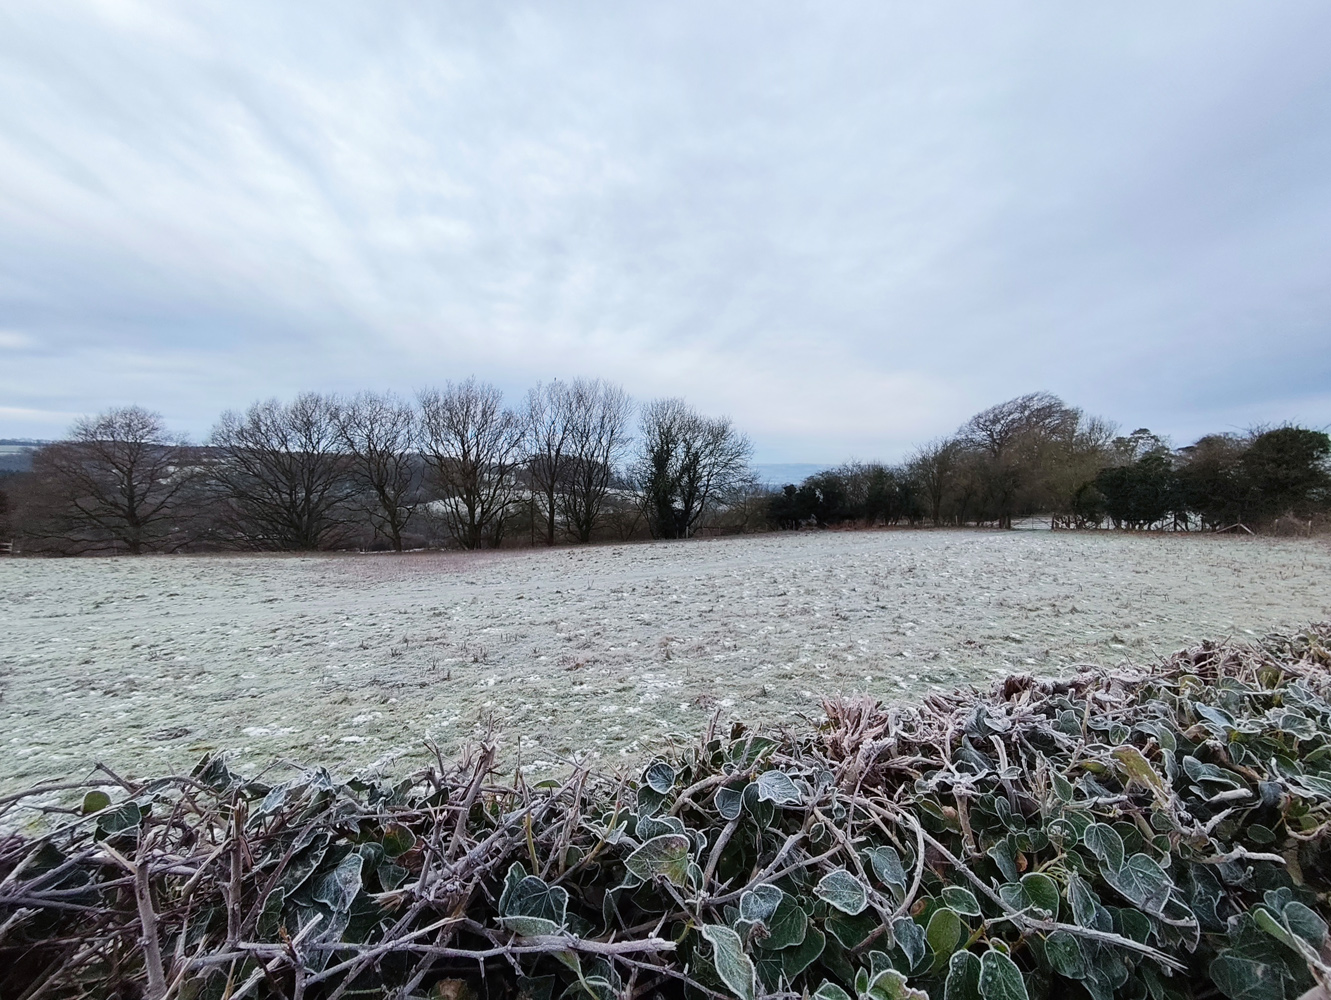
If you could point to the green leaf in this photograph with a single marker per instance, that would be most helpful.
(1065, 955)
(886, 865)
(963, 977)
(890, 984)
(1000, 979)
(667, 855)
(910, 939)
(1138, 768)
(734, 968)
(660, 776)
(842, 890)
(1040, 890)
(799, 957)
(760, 902)
(1142, 882)
(851, 932)
(1247, 979)
(1306, 924)
(776, 787)
(127, 817)
(943, 933)
(1005, 856)
(527, 926)
(338, 888)
(787, 926)
(95, 801)
(527, 898)
(728, 802)
(397, 840)
(830, 991)
(1105, 843)
(961, 899)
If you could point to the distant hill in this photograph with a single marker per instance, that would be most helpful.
(16, 454)
(780, 473)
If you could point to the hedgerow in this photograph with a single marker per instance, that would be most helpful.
(1159, 832)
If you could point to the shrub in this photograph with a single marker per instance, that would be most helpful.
(1151, 833)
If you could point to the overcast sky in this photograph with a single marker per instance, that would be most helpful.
(848, 226)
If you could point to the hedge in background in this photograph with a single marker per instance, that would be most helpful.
(1159, 833)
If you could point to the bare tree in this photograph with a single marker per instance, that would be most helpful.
(380, 433)
(996, 429)
(473, 448)
(687, 463)
(934, 467)
(281, 473)
(117, 483)
(598, 438)
(549, 419)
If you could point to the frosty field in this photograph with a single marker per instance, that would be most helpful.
(355, 661)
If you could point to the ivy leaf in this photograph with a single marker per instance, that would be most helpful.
(776, 787)
(733, 966)
(728, 802)
(842, 890)
(887, 866)
(1065, 955)
(666, 855)
(961, 899)
(1142, 882)
(963, 977)
(1139, 769)
(760, 902)
(799, 957)
(660, 776)
(338, 887)
(830, 991)
(1105, 843)
(910, 939)
(397, 840)
(1005, 856)
(1000, 979)
(787, 925)
(1247, 979)
(943, 934)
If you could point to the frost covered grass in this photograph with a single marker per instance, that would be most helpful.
(355, 661)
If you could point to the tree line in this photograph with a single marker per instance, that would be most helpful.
(453, 466)
(1035, 455)
(578, 462)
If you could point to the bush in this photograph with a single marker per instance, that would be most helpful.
(1156, 833)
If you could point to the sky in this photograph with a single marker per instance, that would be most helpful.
(847, 226)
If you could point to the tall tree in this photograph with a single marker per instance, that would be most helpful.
(1286, 471)
(549, 418)
(686, 464)
(473, 448)
(116, 483)
(599, 414)
(379, 432)
(282, 474)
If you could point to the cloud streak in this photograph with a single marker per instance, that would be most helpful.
(847, 228)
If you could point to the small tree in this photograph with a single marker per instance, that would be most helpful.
(686, 464)
(282, 474)
(379, 433)
(116, 483)
(473, 448)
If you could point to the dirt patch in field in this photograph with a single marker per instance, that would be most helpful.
(355, 661)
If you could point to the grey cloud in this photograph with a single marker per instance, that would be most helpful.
(847, 226)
